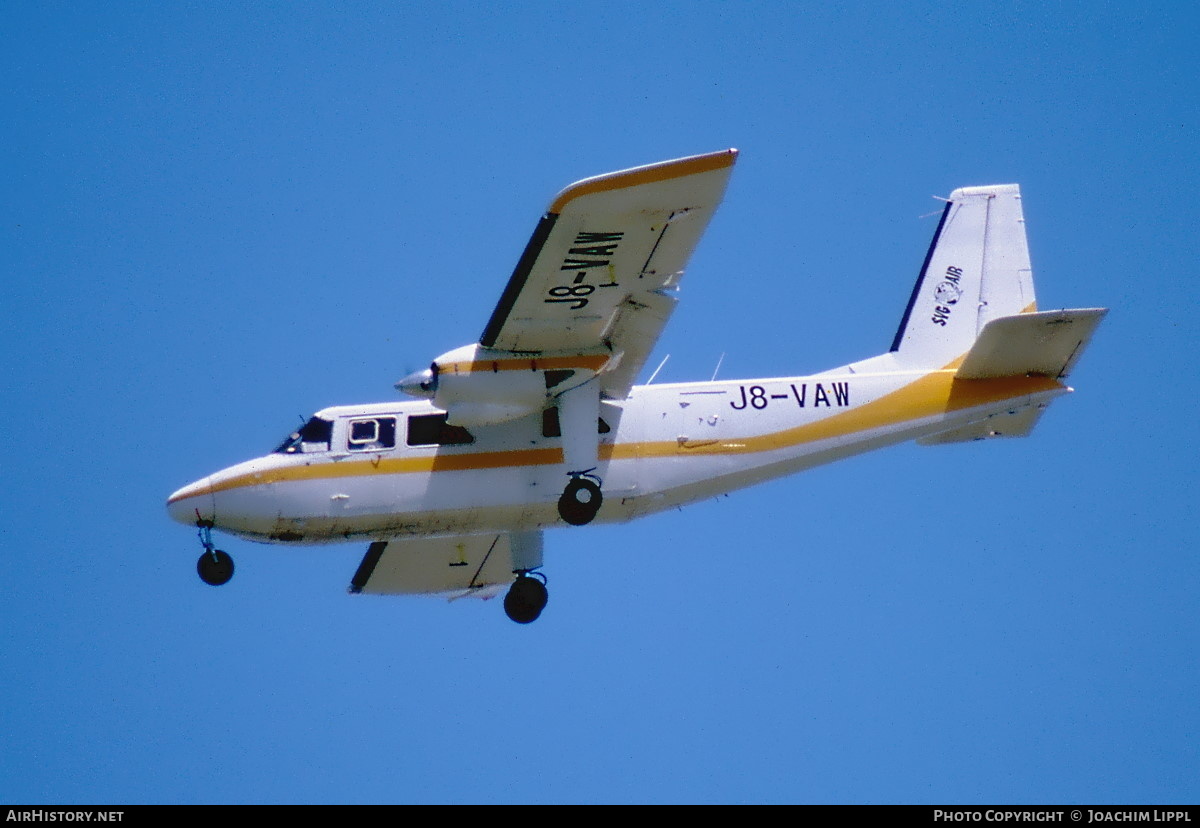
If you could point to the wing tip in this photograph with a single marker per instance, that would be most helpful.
(647, 174)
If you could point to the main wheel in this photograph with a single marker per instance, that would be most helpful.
(215, 567)
(525, 600)
(580, 501)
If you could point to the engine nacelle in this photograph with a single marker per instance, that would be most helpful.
(480, 386)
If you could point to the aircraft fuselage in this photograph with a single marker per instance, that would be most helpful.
(663, 446)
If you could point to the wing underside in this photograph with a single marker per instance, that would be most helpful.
(457, 566)
(602, 264)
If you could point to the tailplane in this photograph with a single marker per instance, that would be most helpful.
(1039, 344)
(1029, 344)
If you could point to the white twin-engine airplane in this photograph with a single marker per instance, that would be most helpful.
(541, 423)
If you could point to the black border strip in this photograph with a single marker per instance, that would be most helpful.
(367, 568)
(516, 282)
(912, 300)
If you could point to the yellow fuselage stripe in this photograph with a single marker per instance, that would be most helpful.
(935, 393)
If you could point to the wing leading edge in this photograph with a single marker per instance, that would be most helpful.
(599, 270)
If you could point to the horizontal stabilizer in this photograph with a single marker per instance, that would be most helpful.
(459, 565)
(1045, 344)
(1008, 424)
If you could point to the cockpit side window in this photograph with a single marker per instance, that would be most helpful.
(313, 436)
(374, 434)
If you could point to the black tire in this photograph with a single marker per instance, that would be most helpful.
(525, 600)
(215, 568)
(580, 501)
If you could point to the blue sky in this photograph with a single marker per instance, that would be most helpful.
(219, 216)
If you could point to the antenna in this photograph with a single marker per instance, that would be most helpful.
(935, 212)
(718, 368)
(659, 368)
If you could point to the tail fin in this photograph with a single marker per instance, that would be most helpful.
(977, 269)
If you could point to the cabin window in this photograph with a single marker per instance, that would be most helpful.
(310, 437)
(552, 428)
(433, 430)
(374, 434)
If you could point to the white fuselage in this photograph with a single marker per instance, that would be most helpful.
(666, 445)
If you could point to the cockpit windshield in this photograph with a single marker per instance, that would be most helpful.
(313, 436)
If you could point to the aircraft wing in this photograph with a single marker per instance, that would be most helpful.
(460, 565)
(601, 265)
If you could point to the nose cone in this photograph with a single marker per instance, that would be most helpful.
(192, 503)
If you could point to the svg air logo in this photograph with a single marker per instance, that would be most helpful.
(946, 295)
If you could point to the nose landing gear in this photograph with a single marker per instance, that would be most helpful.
(214, 567)
(527, 597)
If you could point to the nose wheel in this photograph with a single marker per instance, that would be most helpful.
(214, 567)
(526, 598)
(580, 501)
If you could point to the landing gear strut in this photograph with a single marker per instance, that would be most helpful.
(214, 567)
(527, 597)
(580, 501)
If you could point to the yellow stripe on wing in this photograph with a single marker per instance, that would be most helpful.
(645, 175)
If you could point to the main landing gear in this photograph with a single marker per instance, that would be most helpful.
(578, 416)
(214, 567)
(527, 597)
(580, 500)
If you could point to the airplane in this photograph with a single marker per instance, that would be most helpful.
(540, 424)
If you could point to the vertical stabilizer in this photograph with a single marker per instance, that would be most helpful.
(977, 269)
